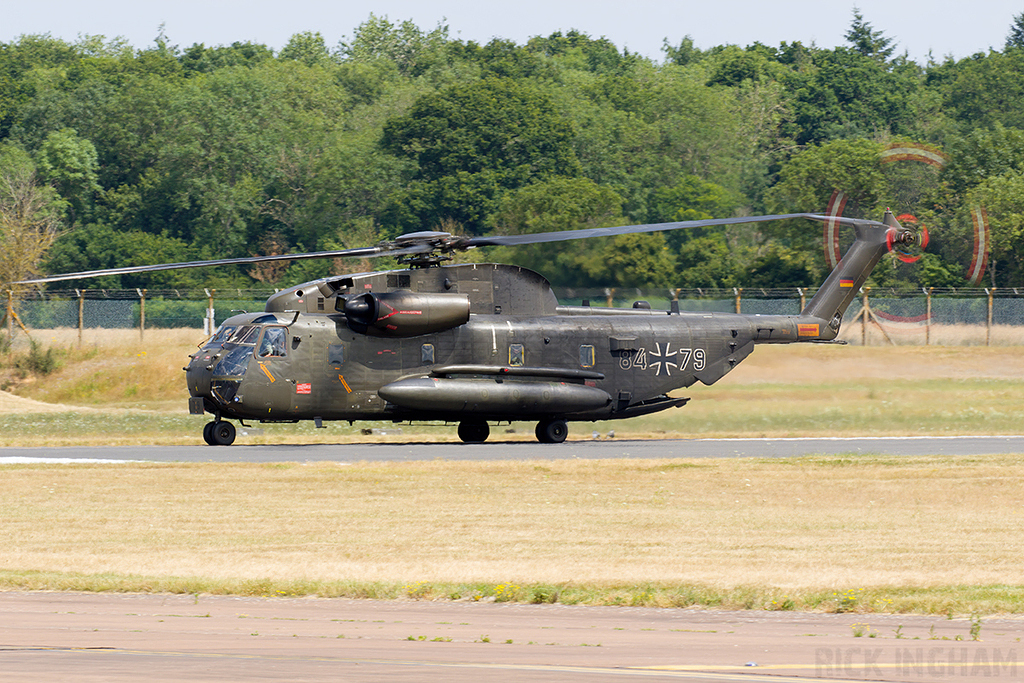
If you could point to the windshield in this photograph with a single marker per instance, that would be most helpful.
(246, 334)
(223, 334)
(234, 362)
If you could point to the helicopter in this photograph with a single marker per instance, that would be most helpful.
(481, 343)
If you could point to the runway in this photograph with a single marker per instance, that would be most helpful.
(519, 450)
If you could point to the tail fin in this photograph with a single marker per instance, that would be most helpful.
(842, 284)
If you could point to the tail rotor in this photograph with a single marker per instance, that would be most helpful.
(907, 245)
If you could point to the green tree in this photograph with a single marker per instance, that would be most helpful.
(1015, 38)
(98, 246)
(69, 163)
(409, 48)
(555, 205)
(705, 257)
(501, 58)
(692, 198)
(471, 142)
(1003, 199)
(579, 50)
(733, 65)
(307, 47)
(30, 67)
(642, 260)
(682, 54)
(866, 41)
(780, 267)
(808, 180)
(707, 260)
(981, 154)
(499, 125)
(843, 93)
(202, 59)
(982, 90)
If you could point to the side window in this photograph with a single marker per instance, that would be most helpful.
(273, 344)
(586, 355)
(427, 354)
(516, 355)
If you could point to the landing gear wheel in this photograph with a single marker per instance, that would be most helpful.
(222, 433)
(552, 431)
(474, 431)
(208, 433)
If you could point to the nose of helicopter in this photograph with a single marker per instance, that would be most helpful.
(198, 374)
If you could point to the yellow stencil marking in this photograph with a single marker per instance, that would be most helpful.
(344, 384)
(267, 372)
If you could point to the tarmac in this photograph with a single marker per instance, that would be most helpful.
(131, 637)
(589, 449)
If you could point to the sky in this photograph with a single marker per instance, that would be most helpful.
(940, 28)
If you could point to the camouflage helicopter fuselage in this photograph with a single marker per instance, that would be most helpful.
(479, 343)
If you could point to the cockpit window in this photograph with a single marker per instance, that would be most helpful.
(273, 342)
(223, 334)
(246, 334)
(234, 362)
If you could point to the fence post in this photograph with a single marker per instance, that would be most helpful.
(988, 323)
(739, 294)
(10, 314)
(864, 318)
(611, 296)
(142, 313)
(928, 316)
(803, 299)
(81, 313)
(210, 314)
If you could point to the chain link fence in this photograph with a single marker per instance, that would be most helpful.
(941, 316)
(877, 316)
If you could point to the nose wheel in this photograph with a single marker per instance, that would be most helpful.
(219, 433)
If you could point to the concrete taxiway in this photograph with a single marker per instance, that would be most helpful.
(525, 450)
(88, 637)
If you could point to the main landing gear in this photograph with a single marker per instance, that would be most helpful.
(552, 431)
(474, 431)
(548, 431)
(219, 433)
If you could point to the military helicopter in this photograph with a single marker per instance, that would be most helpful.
(478, 343)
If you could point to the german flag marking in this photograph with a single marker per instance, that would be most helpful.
(846, 283)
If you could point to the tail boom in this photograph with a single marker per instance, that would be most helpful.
(828, 305)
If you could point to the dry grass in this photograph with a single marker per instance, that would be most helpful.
(115, 367)
(858, 532)
(944, 335)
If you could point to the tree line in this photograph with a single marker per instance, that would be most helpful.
(112, 155)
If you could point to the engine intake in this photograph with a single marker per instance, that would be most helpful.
(404, 313)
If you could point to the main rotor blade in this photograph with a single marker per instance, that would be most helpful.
(566, 235)
(428, 242)
(360, 252)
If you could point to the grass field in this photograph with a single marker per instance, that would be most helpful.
(849, 533)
